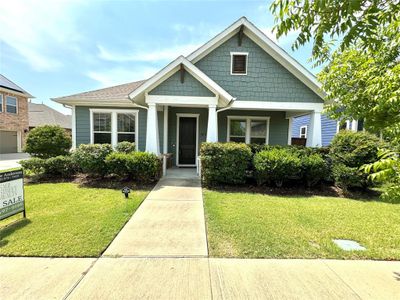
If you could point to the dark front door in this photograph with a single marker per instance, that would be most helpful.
(187, 141)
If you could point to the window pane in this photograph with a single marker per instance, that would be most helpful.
(11, 101)
(102, 122)
(102, 138)
(258, 128)
(128, 137)
(238, 128)
(260, 141)
(11, 109)
(126, 123)
(238, 139)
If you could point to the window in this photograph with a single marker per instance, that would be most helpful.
(126, 127)
(102, 128)
(1, 103)
(343, 125)
(248, 130)
(11, 105)
(239, 63)
(111, 126)
(303, 132)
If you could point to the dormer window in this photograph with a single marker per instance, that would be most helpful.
(239, 63)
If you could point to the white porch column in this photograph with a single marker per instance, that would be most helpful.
(314, 136)
(212, 130)
(73, 127)
(165, 146)
(152, 140)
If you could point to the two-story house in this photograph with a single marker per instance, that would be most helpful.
(14, 121)
(240, 86)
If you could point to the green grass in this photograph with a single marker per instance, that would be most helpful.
(64, 219)
(262, 226)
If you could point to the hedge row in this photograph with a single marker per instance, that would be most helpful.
(99, 160)
(236, 163)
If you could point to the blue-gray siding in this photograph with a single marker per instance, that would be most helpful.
(328, 127)
(266, 79)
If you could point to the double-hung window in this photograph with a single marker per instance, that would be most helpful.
(113, 126)
(249, 130)
(1, 103)
(11, 105)
(303, 132)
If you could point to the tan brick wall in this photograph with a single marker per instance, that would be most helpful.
(15, 122)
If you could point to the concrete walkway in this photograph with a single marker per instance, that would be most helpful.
(11, 160)
(169, 223)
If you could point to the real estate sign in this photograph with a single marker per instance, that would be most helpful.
(11, 193)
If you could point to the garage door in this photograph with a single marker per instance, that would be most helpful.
(8, 142)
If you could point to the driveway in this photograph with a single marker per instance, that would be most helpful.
(10, 160)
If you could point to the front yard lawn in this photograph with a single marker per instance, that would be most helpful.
(261, 226)
(64, 219)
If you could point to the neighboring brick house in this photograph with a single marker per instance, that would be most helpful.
(14, 120)
(239, 87)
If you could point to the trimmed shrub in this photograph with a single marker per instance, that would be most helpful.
(117, 164)
(33, 165)
(314, 169)
(348, 152)
(225, 163)
(91, 158)
(63, 166)
(48, 141)
(144, 166)
(277, 166)
(125, 147)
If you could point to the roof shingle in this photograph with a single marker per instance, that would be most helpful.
(40, 114)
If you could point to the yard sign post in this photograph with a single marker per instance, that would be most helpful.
(11, 193)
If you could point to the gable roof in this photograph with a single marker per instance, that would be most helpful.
(138, 94)
(118, 92)
(40, 114)
(9, 85)
(269, 46)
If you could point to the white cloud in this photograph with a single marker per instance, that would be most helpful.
(156, 55)
(111, 77)
(34, 28)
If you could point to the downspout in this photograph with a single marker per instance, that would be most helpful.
(229, 106)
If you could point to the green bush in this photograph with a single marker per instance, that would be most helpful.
(48, 141)
(314, 168)
(141, 166)
(33, 165)
(91, 158)
(125, 147)
(225, 163)
(117, 163)
(277, 166)
(144, 166)
(348, 152)
(63, 166)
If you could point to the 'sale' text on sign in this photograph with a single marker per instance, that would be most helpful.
(11, 193)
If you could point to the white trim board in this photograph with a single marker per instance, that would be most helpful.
(267, 45)
(248, 127)
(181, 100)
(114, 124)
(282, 106)
(184, 115)
(247, 62)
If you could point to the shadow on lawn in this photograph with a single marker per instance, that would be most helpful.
(10, 229)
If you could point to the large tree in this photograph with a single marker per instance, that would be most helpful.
(359, 40)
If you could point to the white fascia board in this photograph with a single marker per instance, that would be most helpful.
(267, 45)
(177, 100)
(173, 67)
(285, 106)
(100, 103)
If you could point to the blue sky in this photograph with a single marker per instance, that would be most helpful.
(55, 48)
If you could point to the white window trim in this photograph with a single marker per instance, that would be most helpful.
(248, 126)
(305, 133)
(348, 125)
(114, 123)
(16, 105)
(2, 103)
(247, 62)
(178, 116)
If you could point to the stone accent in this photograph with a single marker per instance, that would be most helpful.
(15, 122)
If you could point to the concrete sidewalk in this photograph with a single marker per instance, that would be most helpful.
(169, 223)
